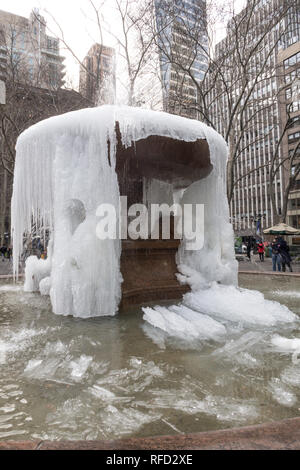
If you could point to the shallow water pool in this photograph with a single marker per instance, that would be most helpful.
(62, 378)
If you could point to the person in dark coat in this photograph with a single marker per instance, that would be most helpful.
(249, 246)
(276, 258)
(3, 250)
(284, 251)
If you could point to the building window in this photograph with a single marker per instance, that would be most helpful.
(290, 77)
(293, 60)
(293, 137)
(293, 107)
(288, 93)
(294, 122)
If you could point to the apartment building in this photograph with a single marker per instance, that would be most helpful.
(289, 101)
(27, 53)
(97, 79)
(183, 45)
(259, 137)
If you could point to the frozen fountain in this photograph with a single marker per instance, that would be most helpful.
(221, 356)
(68, 165)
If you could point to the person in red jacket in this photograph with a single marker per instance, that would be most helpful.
(261, 251)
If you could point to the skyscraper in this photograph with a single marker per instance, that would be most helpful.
(258, 64)
(182, 45)
(97, 80)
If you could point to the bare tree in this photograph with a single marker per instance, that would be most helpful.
(135, 43)
(27, 102)
(95, 77)
(239, 88)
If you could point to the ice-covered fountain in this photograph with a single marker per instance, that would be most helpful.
(220, 356)
(68, 165)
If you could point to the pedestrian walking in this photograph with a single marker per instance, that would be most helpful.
(249, 246)
(261, 251)
(276, 258)
(3, 252)
(284, 252)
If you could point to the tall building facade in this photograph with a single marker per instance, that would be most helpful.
(182, 44)
(27, 53)
(261, 134)
(97, 79)
(289, 107)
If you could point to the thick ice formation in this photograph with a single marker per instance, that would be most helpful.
(65, 169)
(183, 322)
(231, 304)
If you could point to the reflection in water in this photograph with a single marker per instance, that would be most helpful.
(114, 377)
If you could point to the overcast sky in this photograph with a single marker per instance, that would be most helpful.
(78, 23)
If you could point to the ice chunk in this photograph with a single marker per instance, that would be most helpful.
(205, 312)
(224, 409)
(182, 322)
(232, 304)
(80, 367)
(234, 347)
(45, 286)
(291, 375)
(35, 271)
(42, 369)
(281, 393)
(286, 344)
(125, 421)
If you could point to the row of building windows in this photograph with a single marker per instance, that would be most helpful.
(294, 204)
(293, 107)
(294, 136)
(294, 122)
(52, 44)
(291, 77)
(293, 60)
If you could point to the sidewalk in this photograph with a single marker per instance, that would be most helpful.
(256, 265)
(244, 265)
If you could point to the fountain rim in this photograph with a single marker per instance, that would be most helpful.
(275, 435)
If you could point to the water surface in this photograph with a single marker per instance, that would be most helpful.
(62, 378)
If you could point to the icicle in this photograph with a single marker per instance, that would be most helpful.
(63, 166)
